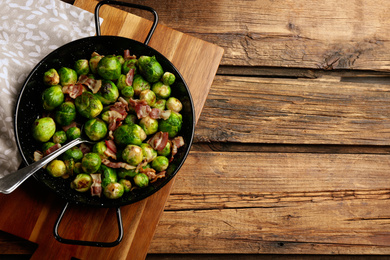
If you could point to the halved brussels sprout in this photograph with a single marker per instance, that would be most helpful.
(67, 76)
(108, 92)
(149, 96)
(52, 97)
(81, 67)
(51, 77)
(56, 168)
(113, 190)
(43, 129)
(109, 68)
(161, 90)
(91, 162)
(82, 182)
(174, 104)
(172, 125)
(88, 105)
(148, 152)
(132, 154)
(65, 114)
(95, 129)
(150, 68)
(129, 134)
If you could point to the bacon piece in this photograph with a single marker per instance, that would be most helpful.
(117, 165)
(65, 128)
(111, 149)
(177, 142)
(85, 148)
(38, 155)
(92, 84)
(157, 113)
(158, 176)
(130, 77)
(124, 103)
(51, 149)
(159, 140)
(96, 187)
(141, 107)
(127, 56)
(73, 90)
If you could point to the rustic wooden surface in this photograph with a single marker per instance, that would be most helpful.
(292, 148)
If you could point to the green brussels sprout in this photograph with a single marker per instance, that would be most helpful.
(172, 125)
(108, 92)
(51, 77)
(149, 96)
(126, 174)
(46, 146)
(121, 59)
(121, 82)
(59, 137)
(67, 76)
(130, 119)
(174, 104)
(81, 67)
(82, 182)
(161, 90)
(149, 125)
(52, 97)
(95, 129)
(132, 154)
(160, 163)
(126, 185)
(73, 132)
(129, 64)
(113, 190)
(139, 84)
(78, 168)
(100, 148)
(109, 68)
(65, 114)
(69, 164)
(91, 162)
(141, 180)
(129, 134)
(94, 61)
(56, 168)
(127, 91)
(168, 78)
(150, 68)
(74, 153)
(43, 129)
(166, 151)
(160, 104)
(88, 105)
(109, 175)
(148, 152)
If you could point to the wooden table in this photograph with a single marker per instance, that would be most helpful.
(291, 153)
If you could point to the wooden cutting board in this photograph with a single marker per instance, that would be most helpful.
(30, 212)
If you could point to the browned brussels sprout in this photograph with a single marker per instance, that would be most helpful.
(43, 129)
(51, 77)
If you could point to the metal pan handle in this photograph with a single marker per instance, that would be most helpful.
(88, 243)
(142, 7)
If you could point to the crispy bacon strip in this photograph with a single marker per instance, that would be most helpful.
(73, 90)
(157, 113)
(65, 128)
(159, 140)
(85, 148)
(177, 142)
(127, 56)
(38, 155)
(111, 149)
(96, 187)
(51, 149)
(117, 165)
(92, 84)
(158, 176)
(130, 77)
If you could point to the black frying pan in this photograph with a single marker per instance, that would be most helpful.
(29, 107)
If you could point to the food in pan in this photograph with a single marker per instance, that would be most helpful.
(123, 104)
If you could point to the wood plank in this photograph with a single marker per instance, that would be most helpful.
(295, 33)
(295, 111)
(278, 203)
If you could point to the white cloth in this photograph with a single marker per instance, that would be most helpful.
(29, 30)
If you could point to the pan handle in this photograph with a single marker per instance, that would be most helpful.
(88, 243)
(142, 7)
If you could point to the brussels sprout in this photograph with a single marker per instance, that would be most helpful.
(67, 76)
(148, 152)
(52, 97)
(166, 151)
(95, 129)
(73, 133)
(88, 105)
(130, 119)
(78, 168)
(139, 84)
(121, 59)
(141, 180)
(109, 175)
(172, 125)
(121, 82)
(161, 90)
(160, 104)
(132, 154)
(160, 163)
(126, 185)
(126, 174)
(69, 164)
(127, 91)
(82, 182)
(168, 78)
(81, 67)
(59, 137)
(129, 134)
(149, 96)
(108, 92)
(65, 114)
(113, 190)
(109, 68)
(129, 64)
(73, 153)
(46, 146)
(56, 168)
(51, 77)
(149, 125)
(91, 162)
(94, 61)
(43, 129)
(174, 104)
(150, 68)
(100, 148)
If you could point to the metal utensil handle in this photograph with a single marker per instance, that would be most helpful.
(11, 181)
(142, 7)
(88, 243)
